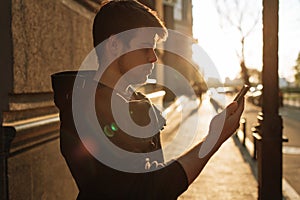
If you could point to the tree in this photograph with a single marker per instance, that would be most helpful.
(297, 71)
(243, 18)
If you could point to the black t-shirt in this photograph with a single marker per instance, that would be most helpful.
(96, 180)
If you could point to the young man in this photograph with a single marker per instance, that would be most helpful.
(131, 163)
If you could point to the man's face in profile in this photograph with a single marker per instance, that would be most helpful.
(137, 64)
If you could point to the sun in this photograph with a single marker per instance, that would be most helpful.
(218, 45)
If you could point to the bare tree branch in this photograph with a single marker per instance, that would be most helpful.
(239, 15)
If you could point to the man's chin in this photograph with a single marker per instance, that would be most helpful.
(140, 81)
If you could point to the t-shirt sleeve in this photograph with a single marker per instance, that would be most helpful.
(171, 181)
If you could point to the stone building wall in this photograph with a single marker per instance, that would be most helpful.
(48, 36)
(41, 38)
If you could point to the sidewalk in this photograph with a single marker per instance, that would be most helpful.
(227, 175)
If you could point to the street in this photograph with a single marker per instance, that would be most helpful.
(291, 149)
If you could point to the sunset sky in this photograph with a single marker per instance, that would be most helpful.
(220, 44)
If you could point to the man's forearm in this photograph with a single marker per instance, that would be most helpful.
(193, 164)
(221, 128)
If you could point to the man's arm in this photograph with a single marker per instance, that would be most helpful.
(221, 128)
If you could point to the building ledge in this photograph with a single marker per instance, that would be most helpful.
(32, 132)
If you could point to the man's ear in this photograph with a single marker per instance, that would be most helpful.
(114, 46)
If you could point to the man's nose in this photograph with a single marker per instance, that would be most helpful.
(152, 56)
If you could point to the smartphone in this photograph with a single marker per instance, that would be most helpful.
(242, 93)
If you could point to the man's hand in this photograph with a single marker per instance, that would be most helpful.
(231, 123)
(222, 126)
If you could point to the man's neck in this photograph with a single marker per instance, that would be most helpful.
(119, 85)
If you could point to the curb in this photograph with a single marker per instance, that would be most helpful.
(289, 193)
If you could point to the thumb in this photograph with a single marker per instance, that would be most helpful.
(231, 108)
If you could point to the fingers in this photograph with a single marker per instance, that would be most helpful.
(236, 115)
(241, 106)
(231, 108)
(234, 111)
